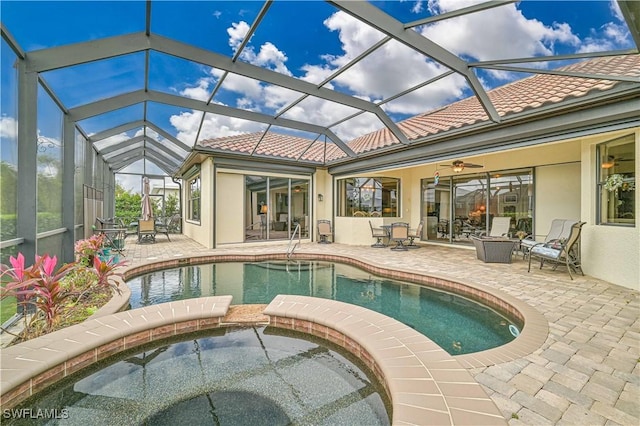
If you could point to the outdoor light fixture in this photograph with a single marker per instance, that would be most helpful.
(263, 209)
(457, 166)
(320, 197)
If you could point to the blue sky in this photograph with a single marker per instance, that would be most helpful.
(309, 40)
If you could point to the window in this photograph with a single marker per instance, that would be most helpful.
(617, 181)
(194, 199)
(368, 197)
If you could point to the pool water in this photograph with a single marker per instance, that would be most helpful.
(457, 324)
(231, 376)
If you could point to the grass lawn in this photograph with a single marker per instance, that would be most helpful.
(7, 308)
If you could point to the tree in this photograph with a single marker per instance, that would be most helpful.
(128, 205)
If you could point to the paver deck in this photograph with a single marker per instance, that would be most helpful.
(586, 372)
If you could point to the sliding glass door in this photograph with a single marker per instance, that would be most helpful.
(274, 206)
(456, 208)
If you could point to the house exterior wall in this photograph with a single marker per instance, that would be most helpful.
(557, 196)
(201, 232)
(565, 187)
(230, 207)
(609, 252)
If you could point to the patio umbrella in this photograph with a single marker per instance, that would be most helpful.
(147, 211)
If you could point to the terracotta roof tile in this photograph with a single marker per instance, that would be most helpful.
(275, 145)
(516, 97)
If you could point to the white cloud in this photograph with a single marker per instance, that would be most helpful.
(200, 91)
(8, 127)
(615, 10)
(482, 35)
(501, 32)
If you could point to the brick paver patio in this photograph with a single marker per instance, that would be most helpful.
(587, 371)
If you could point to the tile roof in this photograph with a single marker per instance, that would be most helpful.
(523, 95)
(275, 145)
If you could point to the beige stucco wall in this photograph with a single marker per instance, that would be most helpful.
(230, 208)
(201, 232)
(565, 174)
(557, 195)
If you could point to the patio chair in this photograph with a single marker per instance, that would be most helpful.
(146, 231)
(560, 228)
(379, 234)
(443, 227)
(162, 227)
(175, 224)
(399, 234)
(324, 231)
(561, 251)
(415, 233)
(500, 227)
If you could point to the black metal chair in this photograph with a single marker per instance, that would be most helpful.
(399, 234)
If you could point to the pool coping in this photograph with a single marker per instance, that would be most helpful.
(531, 337)
(420, 378)
(32, 365)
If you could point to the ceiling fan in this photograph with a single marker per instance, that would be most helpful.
(612, 160)
(459, 165)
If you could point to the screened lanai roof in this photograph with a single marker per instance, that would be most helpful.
(320, 83)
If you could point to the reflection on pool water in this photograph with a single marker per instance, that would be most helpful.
(242, 376)
(457, 324)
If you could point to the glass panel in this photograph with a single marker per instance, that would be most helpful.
(368, 197)
(279, 211)
(52, 246)
(193, 205)
(469, 208)
(300, 205)
(257, 209)
(511, 195)
(49, 196)
(617, 181)
(80, 150)
(436, 208)
(8, 145)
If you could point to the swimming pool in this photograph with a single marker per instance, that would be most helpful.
(230, 376)
(457, 324)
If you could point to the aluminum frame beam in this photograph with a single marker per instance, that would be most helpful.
(139, 96)
(374, 17)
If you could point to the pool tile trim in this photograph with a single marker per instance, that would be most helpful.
(31, 366)
(435, 386)
(360, 331)
(531, 338)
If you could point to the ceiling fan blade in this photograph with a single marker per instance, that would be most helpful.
(472, 166)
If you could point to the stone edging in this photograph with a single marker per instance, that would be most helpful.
(421, 379)
(532, 335)
(30, 366)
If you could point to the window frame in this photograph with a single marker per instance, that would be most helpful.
(603, 156)
(366, 202)
(191, 200)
